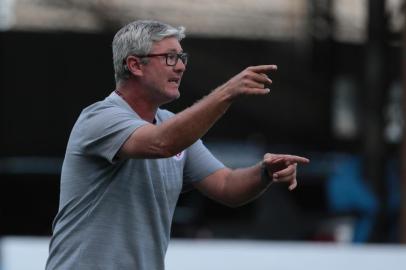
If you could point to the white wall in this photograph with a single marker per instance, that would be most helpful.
(25, 253)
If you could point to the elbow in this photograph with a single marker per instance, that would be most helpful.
(165, 153)
(150, 142)
(166, 149)
(155, 149)
(168, 144)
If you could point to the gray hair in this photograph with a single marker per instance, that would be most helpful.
(137, 38)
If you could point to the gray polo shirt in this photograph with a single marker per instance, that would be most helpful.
(117, 214)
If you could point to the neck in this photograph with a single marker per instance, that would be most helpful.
(138, 101)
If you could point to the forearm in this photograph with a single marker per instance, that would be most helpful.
(186, 127)
(244, 185)
(237, 187)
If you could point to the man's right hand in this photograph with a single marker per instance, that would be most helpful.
(251, 81)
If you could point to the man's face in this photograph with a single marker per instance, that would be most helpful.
(161, 80)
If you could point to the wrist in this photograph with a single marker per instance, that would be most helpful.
(266, 179)
(223, 93)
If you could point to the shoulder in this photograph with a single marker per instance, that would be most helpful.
(108, 115)
(108, 108)
(163, 114)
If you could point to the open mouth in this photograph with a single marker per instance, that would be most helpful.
(174, 80)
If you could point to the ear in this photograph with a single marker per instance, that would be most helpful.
(134, 65)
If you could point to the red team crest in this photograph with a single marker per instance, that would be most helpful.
(179, 156)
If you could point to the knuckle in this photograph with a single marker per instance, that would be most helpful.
(247, 74)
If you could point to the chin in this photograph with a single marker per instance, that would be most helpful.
(174, 97)
(177, 95)
(173, 93)
(170, 98)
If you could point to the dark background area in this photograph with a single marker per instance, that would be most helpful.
(48, 78)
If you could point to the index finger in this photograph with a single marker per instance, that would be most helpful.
(263, 68)
(286, 158)
(296, 159)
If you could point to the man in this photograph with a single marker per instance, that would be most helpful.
(127, 160)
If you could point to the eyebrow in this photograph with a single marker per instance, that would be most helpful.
(174, 51)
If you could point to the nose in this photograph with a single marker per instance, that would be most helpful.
(180, 66)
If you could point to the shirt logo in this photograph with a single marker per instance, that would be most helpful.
(179, 156)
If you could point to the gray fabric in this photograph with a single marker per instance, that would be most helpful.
(117, 214)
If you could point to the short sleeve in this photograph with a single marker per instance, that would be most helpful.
(199, 163)
(102, 131)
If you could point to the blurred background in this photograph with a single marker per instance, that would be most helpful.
(337, 98)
